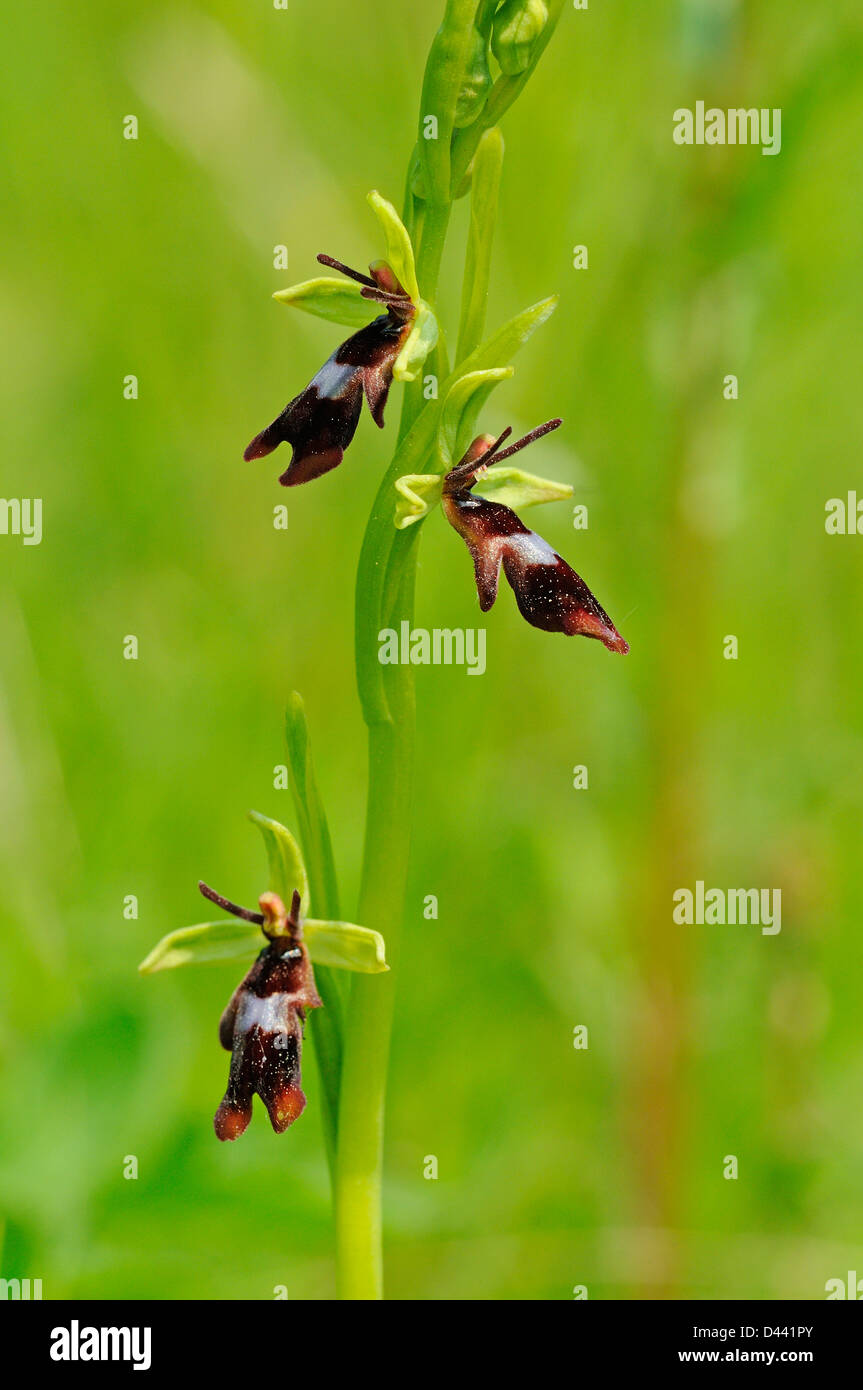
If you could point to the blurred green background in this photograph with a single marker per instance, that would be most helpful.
(557, 1167)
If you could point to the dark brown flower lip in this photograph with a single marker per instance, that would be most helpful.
(322, 420)
(548, 592)
(262, 1026)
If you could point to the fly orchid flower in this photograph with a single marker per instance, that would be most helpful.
(262, 1027)
(550, 595)
(322, 420)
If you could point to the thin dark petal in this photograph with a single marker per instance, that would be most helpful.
(245, 912)
(347, 270)
(525, 440)
(470, 517)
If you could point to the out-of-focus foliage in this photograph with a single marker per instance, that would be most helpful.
(557, 1167)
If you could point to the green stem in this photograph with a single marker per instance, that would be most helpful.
(367, 1037)
(385, 592)
(392, 557)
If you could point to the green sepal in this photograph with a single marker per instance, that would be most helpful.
(339, 944)
(400, 252)
(419, 493)
(461, 409)
(287, 869)
(517, 26)
(345, 946)
(418, 344)
(208, 942)
(340, 301)
(514, 488)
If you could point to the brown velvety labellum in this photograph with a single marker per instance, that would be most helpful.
(262, 1027)
(549, 593)
(321, 421)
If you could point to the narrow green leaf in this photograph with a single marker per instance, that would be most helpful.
(210, 941)
(505, 343)
(287, 870)
(485, 186)
(400, 252)
(345, 946)
(340, 301)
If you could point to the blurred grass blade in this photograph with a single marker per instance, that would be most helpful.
(287, 870)
(210, 941)
(314, 831)
(487, 166)
(345, 945)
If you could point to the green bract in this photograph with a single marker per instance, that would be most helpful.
(340, 301)
(476, 83)
(461, 408)
(287, 870)
(517, 26)
(447, 67)
(485, 186)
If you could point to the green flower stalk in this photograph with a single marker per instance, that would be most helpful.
(481, 57)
